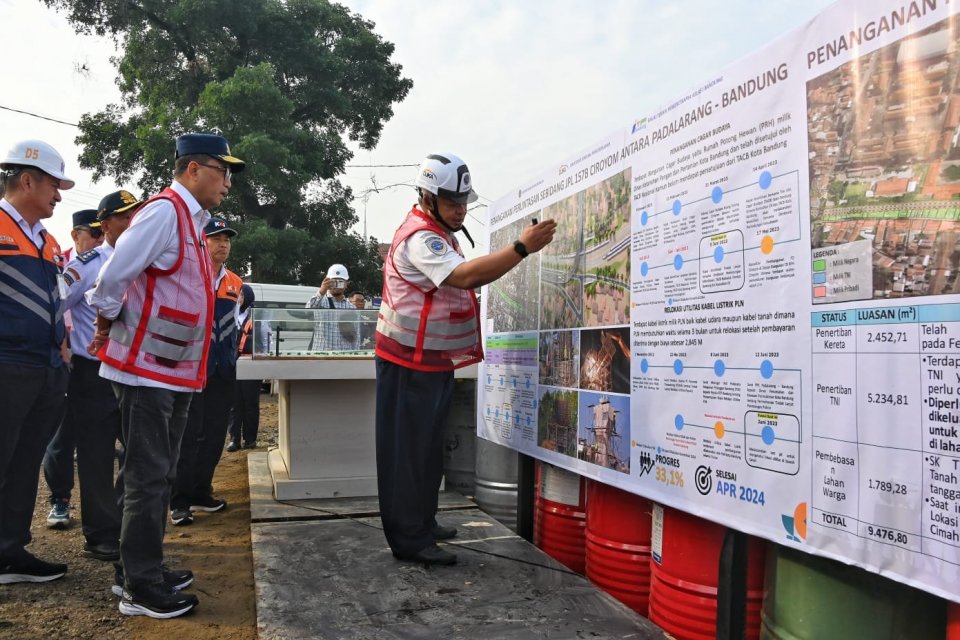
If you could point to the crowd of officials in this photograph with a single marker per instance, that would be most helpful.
(156, 325)
(123, 348)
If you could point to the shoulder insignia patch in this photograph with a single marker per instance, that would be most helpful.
(87, 256)
(436, 245)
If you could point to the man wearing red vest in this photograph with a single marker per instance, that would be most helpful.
(33, 375)
(155, 307)
(428, 326)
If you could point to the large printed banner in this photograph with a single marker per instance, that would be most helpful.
(751, 310)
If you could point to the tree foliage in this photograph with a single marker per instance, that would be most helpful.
(288, 82)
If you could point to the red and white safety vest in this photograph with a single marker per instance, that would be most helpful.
(434, 329)
(163, 330)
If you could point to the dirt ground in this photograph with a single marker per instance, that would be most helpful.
(216, 547)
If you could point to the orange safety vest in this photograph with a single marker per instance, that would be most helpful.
(437, 329)
(163, 331)
(32, 328)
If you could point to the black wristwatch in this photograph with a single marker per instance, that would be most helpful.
(521, 248)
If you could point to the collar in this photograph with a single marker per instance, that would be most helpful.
(18, 218)
(192, 205)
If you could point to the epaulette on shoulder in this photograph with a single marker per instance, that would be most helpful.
(87, 256)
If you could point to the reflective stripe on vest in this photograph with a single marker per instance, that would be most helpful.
(163, 331)
(432, 330)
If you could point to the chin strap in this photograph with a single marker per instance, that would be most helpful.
(436, 216)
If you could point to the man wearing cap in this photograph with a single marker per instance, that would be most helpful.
(58, 460)
(155, 308)
(33, 375)
(209, 414)
(245, 415)
(328, 333)
(92, 418)
(428, 326)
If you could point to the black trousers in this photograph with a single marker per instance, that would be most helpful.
(58, 459)
(245, 416)
(203, 441)
(412, 408)
(32, 400)
(152, 422)
(94, 415)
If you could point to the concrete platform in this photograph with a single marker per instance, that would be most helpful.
(333, 576)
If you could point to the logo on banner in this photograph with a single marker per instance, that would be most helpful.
(703, 478)
(796, 525)
(563, 169)
(646, 463)
(638, 125)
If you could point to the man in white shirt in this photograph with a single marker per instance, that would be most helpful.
(155, 307)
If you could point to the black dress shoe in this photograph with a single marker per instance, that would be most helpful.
(233, 446)
(105, 551)
(430, 555)
(441, 532)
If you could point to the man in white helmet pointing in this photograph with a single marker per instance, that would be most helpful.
(429, 326)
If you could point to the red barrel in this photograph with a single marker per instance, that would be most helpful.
(953, 621)
(618, 544)
(560, 515)
(685, 569)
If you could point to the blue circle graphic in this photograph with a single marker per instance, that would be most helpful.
(678, 422)
(644, 366)
(766, 179)
(719, 368)
(716, 195)
(644, 217)
(670, 301)
(678, 262)
(768, 435)
(644, 269)
(766, 369)
(676, 207)
(718, 255)
(678, 366)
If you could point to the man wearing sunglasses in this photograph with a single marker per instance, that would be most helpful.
(155, 310)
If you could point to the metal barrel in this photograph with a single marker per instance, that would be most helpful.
(496, 481)
(560, 519)
(459, 439)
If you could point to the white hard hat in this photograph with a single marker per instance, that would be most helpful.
(446, 175)
(39, 154)
(338, 271)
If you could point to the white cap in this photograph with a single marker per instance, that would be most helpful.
(39, 154)
(338, 271)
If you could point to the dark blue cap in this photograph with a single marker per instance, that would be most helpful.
(210, 145)
(218, 225)
(85, 218)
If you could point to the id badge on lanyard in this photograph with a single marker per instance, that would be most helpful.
(62, 286)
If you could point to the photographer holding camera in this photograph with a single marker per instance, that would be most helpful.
(331, 332)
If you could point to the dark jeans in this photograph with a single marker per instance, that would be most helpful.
(203, 441)
(412, 407)
(152, 422)
(32, 400)
(245, 416)
(93, 412)
(58, 459)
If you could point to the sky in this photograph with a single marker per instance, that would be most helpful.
(511, 87)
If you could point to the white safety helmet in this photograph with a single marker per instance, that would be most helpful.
(446, 175)
(38, 154)
(338, 271)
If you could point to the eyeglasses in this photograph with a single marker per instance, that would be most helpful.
(227, 173)
(95, 232)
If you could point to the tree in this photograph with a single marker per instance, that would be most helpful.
(286, 81)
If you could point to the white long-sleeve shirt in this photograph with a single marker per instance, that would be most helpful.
(150, 240)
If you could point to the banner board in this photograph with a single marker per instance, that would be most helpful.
(751, 309)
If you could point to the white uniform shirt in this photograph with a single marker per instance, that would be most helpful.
(426, 259)
(150, 240)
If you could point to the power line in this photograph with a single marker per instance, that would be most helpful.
(37, 115)
(378, 166)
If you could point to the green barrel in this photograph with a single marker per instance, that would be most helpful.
(812, 598)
